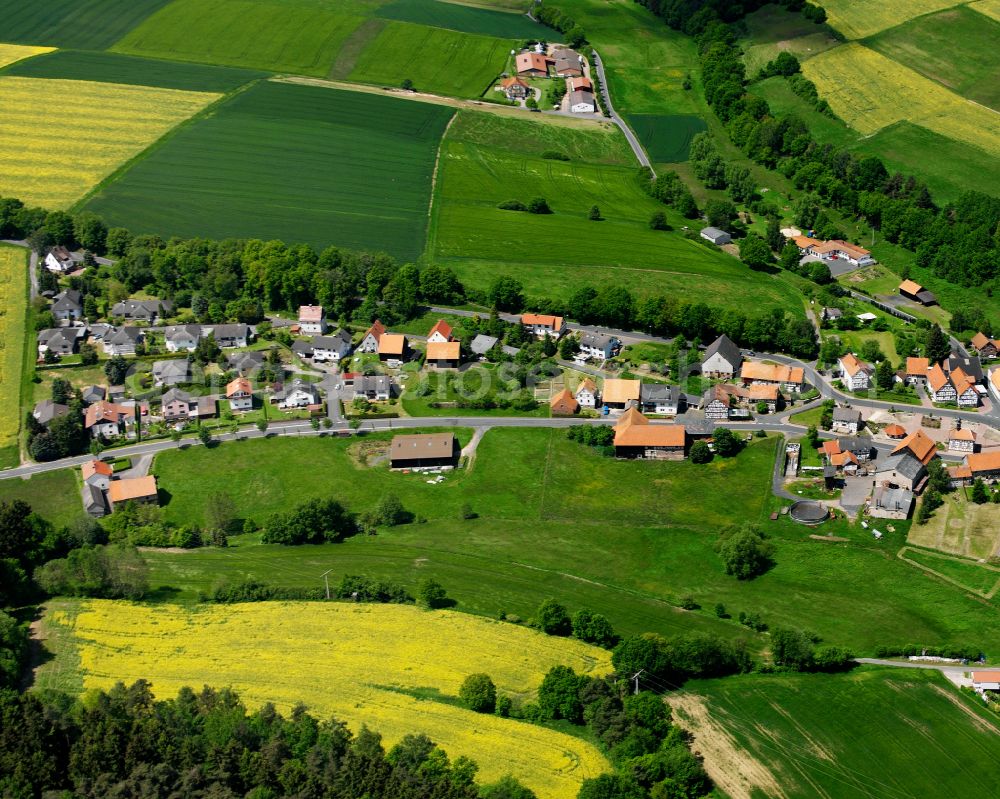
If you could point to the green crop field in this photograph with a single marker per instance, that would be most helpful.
(117, 68)
(873, 732)
(293, 162)
(299, 37)
(466, 19)
(92, 24)
(552, 254)
(955, 47)
(667, 138)
(435, 60)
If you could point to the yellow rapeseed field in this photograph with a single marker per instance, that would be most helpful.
(857, 19)
(869, 92)
(59, 138)
(13, 309)
(355, 662)
(990, 8)
(9, 53)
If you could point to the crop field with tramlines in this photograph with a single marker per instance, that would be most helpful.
(13, 288)
(857, 19)
(54, 165)
(11, 53)
(291, 162)
(395, 668)
(85, 24)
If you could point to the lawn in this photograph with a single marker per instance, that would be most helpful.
(87, 24)
(299, 37)
(118, 68)
(666, 137)
(930, 46)
(961, 527)
(396, 669)
(446, 388)
(55, 165)
(54, 495)
(807, 418)
(873, 732)
(853, 340)
(13, 320)
(435, 60)
(465, 19)
(335, 167)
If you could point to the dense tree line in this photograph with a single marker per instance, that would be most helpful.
(206, 745)
(958, 242)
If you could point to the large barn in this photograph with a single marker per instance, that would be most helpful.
(423, 450)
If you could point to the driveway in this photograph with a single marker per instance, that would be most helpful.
(856, 491)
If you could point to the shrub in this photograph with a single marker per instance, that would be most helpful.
(538, 205)
(478, 693)
(432, 594)
(555, 155)
(553, 618)
(745, 552)
(512, 205)
(594, 628)
(700, 452)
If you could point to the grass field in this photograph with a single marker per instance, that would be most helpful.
(55, 165)
(773, 29)
(12, 53)
(471, 383)
(435, 60)
(869, 92)
(118, 68)
(331, 167)
(873, 732)
(961, 528)
(87, 24)
(977, 577)
(396, 669)
(466, 19)
(54, 494)
(666, 138)
(300, 37)
(857, 19)
(13, 313)
(930, 45)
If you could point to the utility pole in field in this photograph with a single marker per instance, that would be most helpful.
(635, 679)
(326, 581)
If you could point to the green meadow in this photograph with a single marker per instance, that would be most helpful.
(666, 138)
(56, 495)
(270, 163)
(88, 24)
(465, 19)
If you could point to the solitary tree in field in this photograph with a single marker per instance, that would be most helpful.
(431, 594)
(407, 85)
(745, 552)
(594, 214)
(658, 221)
(479, 693)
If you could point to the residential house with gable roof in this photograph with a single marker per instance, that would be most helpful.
(984, 465)
(440, 333)
(586, 393)
(856, 374)
(60, 260)
(122, 341)
(918, 444)
(619, 393)
(239, 392)
(334, 347)
(961, 439)
(312, 320)
(916, 370)
(599, 346)
(984, 346)
(229, 336)
(564, 404)
(788, 378)
(67, 306)
(370, 340)
(542, 325)
(532, 64)
(182, 338)
(847, 420)
(148, 311)
(110, 420)
(443, 355)
(392, 349)
(722, 359)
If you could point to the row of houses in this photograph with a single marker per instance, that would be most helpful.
(957, 380)
(124, 340)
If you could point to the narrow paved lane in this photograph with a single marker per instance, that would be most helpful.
(633, 141)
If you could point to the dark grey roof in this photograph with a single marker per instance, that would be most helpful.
(846, 414)
(124, 335)
(599, 341)
(248, 360)
(579, 96)
(893, 498)
(829, 470)
(905, 464)
(482, 344)
(175, 395)
(100, 330)
(725, 347)
(93, 394)
(377, 383)
(972, 366)
(833, 313)
(334, 341)
(714, 232)
(926, 297)
(653, 392)
(68, 300)
(58, 339)
(182, 332)
(297, 385)
(141, 308)
(230, 331)
(47, 410)
(699, 427)
(855, 444)
(178, 368)
(303, 347)
(93, 499)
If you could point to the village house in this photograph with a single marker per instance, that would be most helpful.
(133, 489)
(830, 314)
(373, 387)
(370, 340)
(619, 393)
(719, 400)
(46, 411)
(966, 392)
(239, 392)
(110, 420)
(635, 437)
(900, 470)
(96, 480)
(229, 336)
(182, 338)
(961, 439)
(60, 260)
(567, 63)
(514, 88)
(60, 341)
(918, 444)
(916, 370)
(722, 359)
(716, 236)
(755, 394)
(855, 373)
(67, 306)
(891, 503)
(939, 387)
(662, 399)
(914, 291)
(833, 249)
(247, 362)
(986, 347)
(392, 349)
(122, 341)
(443, 355)
(841, 460)
(972, 366)
(179, 405)
(532, 64)
(582, 102)
(542, 325)
(847, 420)
(580, 84)
(564, 404)
(586, 394)
(423, 451)
(985, 681)
(984, 465)
(172, 373)
(302, 348)
(599, 346)
(297, 394)
(859, 446)
(787, 378)
(148, 311)
(92, 394)
(440, 333)
(312, 321)
(482, 344)
(334, 347)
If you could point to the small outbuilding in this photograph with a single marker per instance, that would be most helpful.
(716, 236)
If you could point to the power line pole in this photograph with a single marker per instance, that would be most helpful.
(326, 581)
(635, 679)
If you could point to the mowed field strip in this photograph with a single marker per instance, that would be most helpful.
(54, 165)
(869, 91)
(857, 19)
(13, 311)
(378, 665)
(11, 53)
(291, 162)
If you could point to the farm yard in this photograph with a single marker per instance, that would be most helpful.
(884, 732)
(85, 24)
(56, 165)
(13, 322)
(396, 669)
(286, 143)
